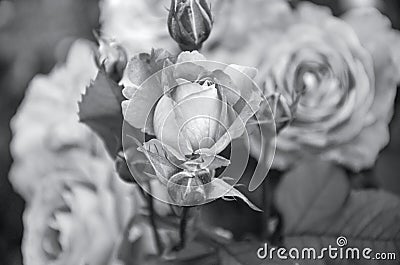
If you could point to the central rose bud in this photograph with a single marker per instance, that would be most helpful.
(188, 118)
(194, 107)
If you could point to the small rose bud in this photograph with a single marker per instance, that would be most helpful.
(189, 23)
(112, 57)
(187, 188)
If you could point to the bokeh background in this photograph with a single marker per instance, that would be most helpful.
(36, 34)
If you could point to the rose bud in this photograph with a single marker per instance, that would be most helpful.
(112, 57)
(189, 23)
(206, 105)
(187, 188)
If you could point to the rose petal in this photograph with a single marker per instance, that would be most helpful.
(167, 128)
(190, 57)
(139, 110)
(198, 124)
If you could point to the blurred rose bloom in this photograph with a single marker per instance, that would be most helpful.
(77, 207)
(239, 26)
(78, 215)
(46, 124)
(345, 79)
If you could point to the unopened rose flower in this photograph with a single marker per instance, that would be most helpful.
(194, 106)
(189, 23)
(79, 216)
(344, 79)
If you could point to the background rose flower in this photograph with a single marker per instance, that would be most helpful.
(78, 215)
(46, 124)
(234, 41)
(78, 209)
(171, 104)
(346, 91)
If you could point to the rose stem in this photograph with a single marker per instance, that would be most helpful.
(153, 222)
(268, 188)
(182, 228)
(266, 206)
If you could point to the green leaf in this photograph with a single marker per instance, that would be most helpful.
(214, 162)
(158, 158)
(207, 161)
(318, 206)
(221, 189)
(100, 109)
(312, 191)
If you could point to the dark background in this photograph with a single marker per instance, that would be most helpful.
(35, 34)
